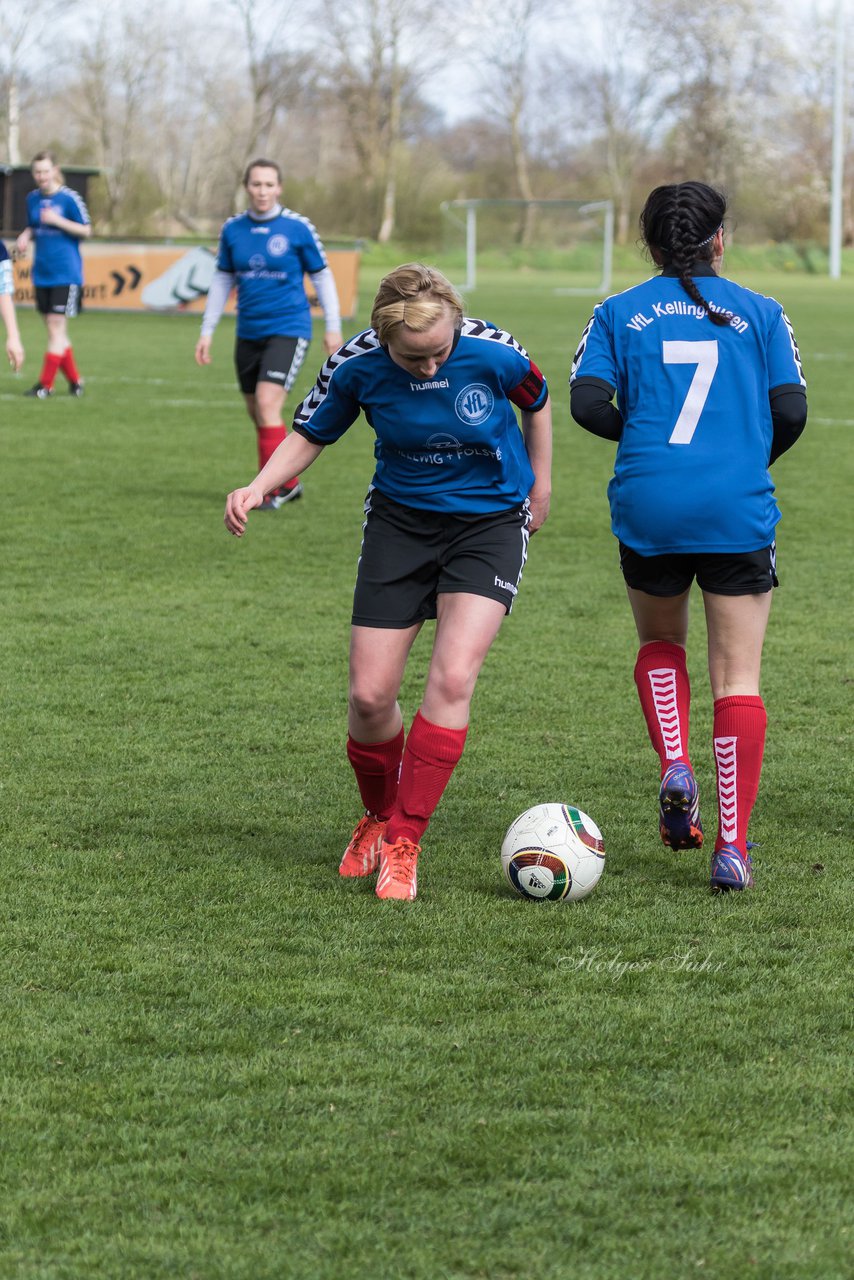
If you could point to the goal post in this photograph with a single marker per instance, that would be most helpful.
(571, 240)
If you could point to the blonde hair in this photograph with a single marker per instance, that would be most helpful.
(415, 296)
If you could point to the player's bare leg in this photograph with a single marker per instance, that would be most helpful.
(736, 627)
(267, 404)
(377, 662)
(466, 626)
(57, 334)
(662, 618)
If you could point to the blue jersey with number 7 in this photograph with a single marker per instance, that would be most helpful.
(691, 471)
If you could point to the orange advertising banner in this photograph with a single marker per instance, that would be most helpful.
(145, 277)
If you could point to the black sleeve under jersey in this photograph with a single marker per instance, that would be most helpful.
(788, 418)
(591, 407)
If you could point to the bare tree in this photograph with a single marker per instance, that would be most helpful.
(720, 66)
(611, 100)
(276, 74)
(171, 111)
(23, 28)
(120, 68)
(382, 57)
(502, 40)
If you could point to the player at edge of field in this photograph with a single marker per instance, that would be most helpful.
(711, 391)
(57, 220)
(14, 346)
(266, 252)
(457, 490)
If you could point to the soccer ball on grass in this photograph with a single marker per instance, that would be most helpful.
(553, 851)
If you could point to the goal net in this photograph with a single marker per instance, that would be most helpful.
(570, 241)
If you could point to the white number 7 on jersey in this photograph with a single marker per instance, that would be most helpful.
(705, 356)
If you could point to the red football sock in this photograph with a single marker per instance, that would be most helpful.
(68, 366)
(429, 758)
(739, 731)
(377, 769)
(661, 676)
(50, 368)
(269, 439)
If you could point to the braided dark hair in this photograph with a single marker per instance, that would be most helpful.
(679, 223)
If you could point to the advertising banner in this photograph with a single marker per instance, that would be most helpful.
(146, 277)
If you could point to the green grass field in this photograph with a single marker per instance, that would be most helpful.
(220, 1061)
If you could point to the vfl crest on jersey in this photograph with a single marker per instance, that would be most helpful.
(474, 404)
(277, 245)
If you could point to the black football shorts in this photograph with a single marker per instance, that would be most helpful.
(276, 359)
(735, 573)
(411, 556)
(58, 300)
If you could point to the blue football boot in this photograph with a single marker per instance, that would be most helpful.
(679, 808)
(731, 869)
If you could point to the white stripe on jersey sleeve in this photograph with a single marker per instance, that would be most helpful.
(81, 204)
(576, 359)
(306, 222)
(471, 328)
(359, 346)
(796, 355)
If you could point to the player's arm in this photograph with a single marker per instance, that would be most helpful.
(787, 394)
(294, 455)
(327, 295)
(537, 432)
(80, 230)
(14, 346)
(221, 286)
(590, 403)
(531, 395)
(22, 244)
(788, 418)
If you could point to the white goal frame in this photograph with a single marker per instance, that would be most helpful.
(469, 225)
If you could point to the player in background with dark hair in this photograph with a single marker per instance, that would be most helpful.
(14, 347)
(457, 490)
(266, 252)
(57, 220)
(710, 391)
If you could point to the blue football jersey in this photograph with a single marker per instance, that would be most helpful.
(448, 443)
(691, 471)
(269, 258)
(56, 259)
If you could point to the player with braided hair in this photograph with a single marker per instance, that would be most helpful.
(677, 217)
(710, 391)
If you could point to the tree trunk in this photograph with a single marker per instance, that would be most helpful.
(13, 134)
(389, 217)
